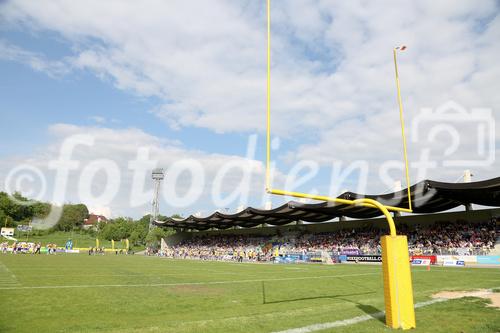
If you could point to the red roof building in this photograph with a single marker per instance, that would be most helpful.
(93, 220)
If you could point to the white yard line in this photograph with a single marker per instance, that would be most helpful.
(4, 268)
(144, 275)
(351, 321)
(184, 283)
(187, 283)
(359, 319)
(9, 274)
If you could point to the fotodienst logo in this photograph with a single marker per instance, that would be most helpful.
(446, 137)
(465, 138)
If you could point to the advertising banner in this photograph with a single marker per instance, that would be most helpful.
(365, 258)
(421, 262)
(488, 260)
(290, 258)
(459, 263)
(24, 227)
(433, 259)
(350, 251)
(467, 259)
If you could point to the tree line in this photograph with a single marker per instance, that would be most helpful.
(16, 209)
(136, 231)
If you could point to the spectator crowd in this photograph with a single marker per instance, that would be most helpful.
(27, 248)
(441, 238)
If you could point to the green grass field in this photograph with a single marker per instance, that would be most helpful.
(80, 293)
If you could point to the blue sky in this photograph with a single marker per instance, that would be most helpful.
(190, 84)
(35, 101)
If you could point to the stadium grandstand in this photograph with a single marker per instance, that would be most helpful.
(304, 231)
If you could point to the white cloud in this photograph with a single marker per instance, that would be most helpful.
(120, 148)
(98, 119)
(333, 77)
(36, 61)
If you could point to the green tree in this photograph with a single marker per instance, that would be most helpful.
(16, 206)
(145, 219)
(108, 231)
(136, 231)
(72, 217)
(3, 218)
(41, 209)
(141, 228)
(117, 229)
(6, 221)
(135, 238)
(156, 234)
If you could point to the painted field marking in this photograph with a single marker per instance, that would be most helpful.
(359, 319)
(7, 278)
(351, 321)
(144, 275)
(186, 283)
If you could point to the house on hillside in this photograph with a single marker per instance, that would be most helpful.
(7, 232)
(93, 220)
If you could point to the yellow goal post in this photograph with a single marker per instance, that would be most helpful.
(361, 202)
(398, 291)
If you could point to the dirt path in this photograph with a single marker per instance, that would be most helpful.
(481, 293)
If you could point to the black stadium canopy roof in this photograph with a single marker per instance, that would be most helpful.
(427, 196)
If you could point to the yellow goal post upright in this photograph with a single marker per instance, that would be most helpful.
(398, 291)
(124, 243)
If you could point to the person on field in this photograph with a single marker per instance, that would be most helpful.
(38, 246)
(4, 247)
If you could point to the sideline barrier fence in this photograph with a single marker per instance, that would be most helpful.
(364, 258)
(342, 258)
(432, 259)
(420, 262)
(488, 260)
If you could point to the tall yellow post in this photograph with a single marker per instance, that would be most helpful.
(112, 244)
(402, 121)
(97, 243)
(398, 290)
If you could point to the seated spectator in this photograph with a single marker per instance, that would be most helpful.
(441, 238)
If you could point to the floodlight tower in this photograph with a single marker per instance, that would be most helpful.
(157, 175)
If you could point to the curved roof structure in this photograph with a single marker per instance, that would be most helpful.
(427, 196)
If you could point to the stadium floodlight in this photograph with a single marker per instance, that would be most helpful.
(398, 292)
(157, 175)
